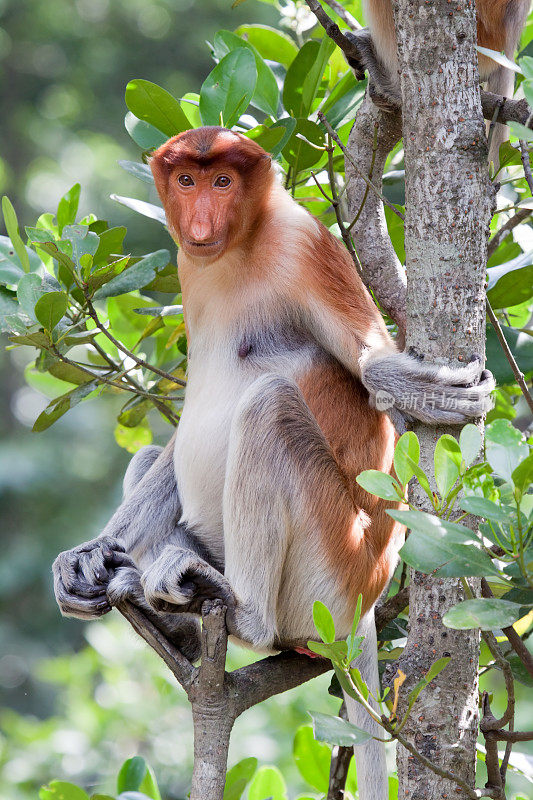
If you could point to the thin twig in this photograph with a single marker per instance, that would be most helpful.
(521, 381)
(344, 15)
(391, 608)
(347, 239)
(512, 636)
(524, 156)
(443, 773)
(180, 667)
(333, 31)
(521, 215)
(158, 400)
(140, 361)
(347, 155)
(490, 724)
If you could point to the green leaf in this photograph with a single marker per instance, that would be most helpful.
(484, 613)
(154, 105)
(143, 134)
(499, 58)
(138, 170)
(300, 151)
(520, 131)
(238, 777)
(228, 89)
(521, 346)
(505, 448)
(288, 124)
(437, 544)
(190, 103)
(335, 730)
(323, 622)
(50, 308)
(353, 641)
(149, 785)
(312, 759)
(62, 790)
(380, 484)
(470, 441)
(266, 93)
(432, 672)
(61, 405)
(305, 75)
(83, 241)
(111, 242)
(141, 207)
(407, 445)
(131, 774)
(335, 651)
(68, 207)
(69, 373)
(267, 138)
(29, 290)
(160, 311)
(523, 474)
(11, 270)
(270, 43)
(510, 284)
(135, 277)
(267, 783)
(12, 228)
(482, 507)
(448, 458)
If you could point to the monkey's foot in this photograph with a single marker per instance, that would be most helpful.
(179, 580)
(385, 102)
(81, 575)
(182, 630)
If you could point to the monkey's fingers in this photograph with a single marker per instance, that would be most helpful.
(74, 603)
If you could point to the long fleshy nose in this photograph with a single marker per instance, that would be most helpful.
(201, 229)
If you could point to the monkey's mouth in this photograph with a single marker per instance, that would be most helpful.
(207, 245)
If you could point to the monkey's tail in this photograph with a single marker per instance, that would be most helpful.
(372, 782)
(501, 81)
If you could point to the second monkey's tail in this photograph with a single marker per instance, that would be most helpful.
(372, 781)
(501, 81)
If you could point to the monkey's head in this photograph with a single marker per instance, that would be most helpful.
(213, 184)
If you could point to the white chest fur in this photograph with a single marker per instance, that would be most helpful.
(216, 381)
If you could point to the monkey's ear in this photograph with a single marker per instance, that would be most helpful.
(160, 171)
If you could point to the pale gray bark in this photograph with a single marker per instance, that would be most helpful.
(372, 137)
(449, 199)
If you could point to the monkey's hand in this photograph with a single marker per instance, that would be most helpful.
(179, 580)
(432, 393)
(81, 576)
(383, 88)
(183, 630)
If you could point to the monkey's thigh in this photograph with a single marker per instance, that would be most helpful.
(284, 500)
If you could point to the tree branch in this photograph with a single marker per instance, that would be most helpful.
(512, 636)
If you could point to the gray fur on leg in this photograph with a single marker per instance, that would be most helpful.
(370, 760)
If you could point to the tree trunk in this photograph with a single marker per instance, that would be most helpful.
(449, 198)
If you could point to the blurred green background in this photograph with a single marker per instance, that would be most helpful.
(71, 710)
(76, 699)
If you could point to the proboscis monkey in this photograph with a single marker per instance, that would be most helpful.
(255, 500)
(499, 27)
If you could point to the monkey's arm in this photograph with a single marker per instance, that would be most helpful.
(347, 323)
(383, 84)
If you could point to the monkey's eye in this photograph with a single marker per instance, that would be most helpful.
(185, 180)
(222, 182)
